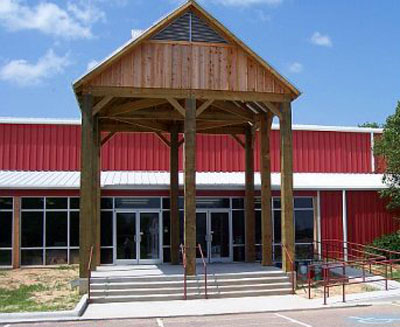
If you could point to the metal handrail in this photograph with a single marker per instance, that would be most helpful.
(183, 251)
(205, 270)
(89, 270)
(292, 264)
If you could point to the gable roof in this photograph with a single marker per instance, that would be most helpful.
(160, 25)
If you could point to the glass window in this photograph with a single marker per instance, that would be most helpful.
(56, 257)
(304, 226)
(303, 203)
(238, 227)
(6, 229)
(6, 203)
(276, 203)
(277, 227)
(31, 257)
(166, 228)
(74, 257)
(74, 203)
(57, 203)
(32, 229)
(74, 228)
(238, 253)
(5, 258)
(106, 256)
(181, 225)
(106, 203)
(304, 252)
(212, 203)
(257, 203)
(32, 203)
(56, 228)
(166, 203)
(106, 228)
(238, 203)
(167, 254)
(136, 203)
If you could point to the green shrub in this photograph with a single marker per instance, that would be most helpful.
(388, 242)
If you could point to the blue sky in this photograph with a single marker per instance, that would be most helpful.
(343, 55)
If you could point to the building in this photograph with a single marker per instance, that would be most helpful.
(179, 121)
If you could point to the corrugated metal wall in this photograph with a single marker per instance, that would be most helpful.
(331, 215)
(57, 147)
(367, 217)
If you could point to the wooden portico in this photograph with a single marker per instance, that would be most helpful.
(185, 75)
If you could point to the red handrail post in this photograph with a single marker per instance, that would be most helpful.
(89, 270)
(386, 277)
(205, 270)
(183, 251)
(325, 285)
(344, 283)
(309, 281)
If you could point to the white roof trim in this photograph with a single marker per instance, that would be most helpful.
(295, 127)
(126, 180)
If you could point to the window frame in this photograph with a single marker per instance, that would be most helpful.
(12, 231)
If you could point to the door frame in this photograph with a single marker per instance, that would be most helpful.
(138, 260)
(207, 252)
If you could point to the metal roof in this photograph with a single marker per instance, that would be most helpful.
(207, 180)
(296, 127)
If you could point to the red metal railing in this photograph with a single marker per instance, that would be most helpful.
(293, 267)
(183, 252)
(205, 270)
(89, 270)
(337, 255)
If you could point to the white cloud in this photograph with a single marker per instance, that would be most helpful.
(322, 40)
(91, 64)
(74, 22)
(24, 73)
(296, 67)
(248, 2)
(136, 33)
(263, 16)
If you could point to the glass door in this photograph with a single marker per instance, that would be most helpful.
(202, 234)
(220, 237)
(126, 238)
(149, 237)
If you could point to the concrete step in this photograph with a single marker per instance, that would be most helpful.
(171, 297)
(190, 282)
(190, 290)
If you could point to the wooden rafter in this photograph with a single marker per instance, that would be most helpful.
(233, 109)
(177, 106)
(238, 140)
(203, 107)
(151, 125)
(163, 139)
(273, 108)
(133, 106)
(108, 137)
(102, 104)
(202, 126)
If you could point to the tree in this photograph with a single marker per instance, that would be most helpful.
(370, 125)
(388, 147)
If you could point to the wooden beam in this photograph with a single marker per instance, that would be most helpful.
(205, 125)
(174, 195)
(250, 228)
(177, 106)
(287, 221)
(190, 185)
(133, 106)
(203, 107)
(151, 125)
(273, 108)
(237, 139)
(132, 92)
(102, 103)
(90, 188)
(265, 172)
(163, 139)
(108, 137)
(16, 244)
(235, 110)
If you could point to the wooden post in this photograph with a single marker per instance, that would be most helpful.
(265, 170)
(250, 253)
(287, 186)
(16, 261)
(174, 195)
(90, 187)
(190, 185)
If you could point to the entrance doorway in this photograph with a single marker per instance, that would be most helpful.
(213, 233)
(138, 237)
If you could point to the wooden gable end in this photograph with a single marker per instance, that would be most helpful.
(189, 65)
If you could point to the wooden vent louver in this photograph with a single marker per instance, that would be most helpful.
(191, 28)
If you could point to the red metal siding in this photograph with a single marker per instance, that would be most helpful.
(57, 147)
(331, 215)
(367, 217)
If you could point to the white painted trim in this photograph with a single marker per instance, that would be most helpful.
(319, 236)
(296, 127)
(344, 219)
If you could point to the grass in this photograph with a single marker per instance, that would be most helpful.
(33, 290)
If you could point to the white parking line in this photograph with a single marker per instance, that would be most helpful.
(159, 322)
(293, 320)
